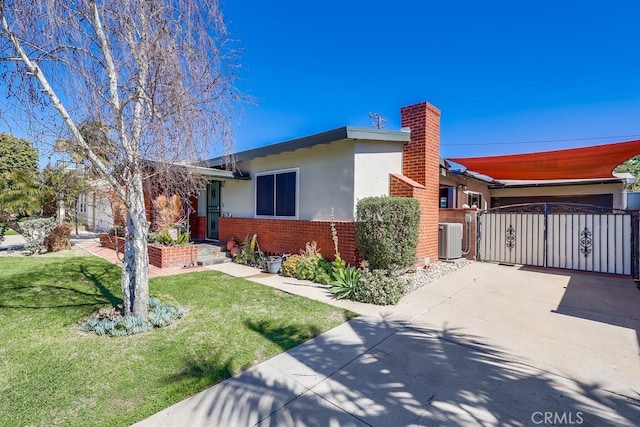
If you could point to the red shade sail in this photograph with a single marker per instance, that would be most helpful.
(597, 161)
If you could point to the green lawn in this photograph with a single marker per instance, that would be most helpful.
(52, 374)
(10, 232)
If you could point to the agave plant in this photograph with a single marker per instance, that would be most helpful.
(346, 282)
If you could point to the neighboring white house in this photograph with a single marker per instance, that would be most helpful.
(94, 207)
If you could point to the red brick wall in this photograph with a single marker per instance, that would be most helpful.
(399, 186)
(421, 163)
(172, 256)
(199, 228)
(458, 216)
(159, 256)
(193, 217)
(280, 236)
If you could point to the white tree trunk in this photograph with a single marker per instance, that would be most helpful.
(135, 270)
(61, 214)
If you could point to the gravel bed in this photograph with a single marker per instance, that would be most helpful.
(435, 271)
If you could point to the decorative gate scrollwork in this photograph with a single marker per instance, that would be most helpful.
(510, 237)
(585, 242)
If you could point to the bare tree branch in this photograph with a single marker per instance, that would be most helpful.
(155, 79)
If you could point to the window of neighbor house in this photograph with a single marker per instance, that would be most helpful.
(474, 199)
(82, 203)
(276, 193)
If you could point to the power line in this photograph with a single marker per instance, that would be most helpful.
(543, 87)
(541, 141)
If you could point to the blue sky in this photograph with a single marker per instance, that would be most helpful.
(560, 73)
(565, 72)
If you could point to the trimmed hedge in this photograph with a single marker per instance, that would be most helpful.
(387, 231)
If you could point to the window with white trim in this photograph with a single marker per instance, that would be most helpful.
(82, 203)
(277, 193)
(474, 199)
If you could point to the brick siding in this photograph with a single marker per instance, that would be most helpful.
(421, 163)
(199, 227)
(278, 236)
(159, 256)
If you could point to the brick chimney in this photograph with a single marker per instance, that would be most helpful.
(421, 164)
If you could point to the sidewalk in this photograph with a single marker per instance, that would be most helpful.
(93, 247)
(12, 243)
(422, 362)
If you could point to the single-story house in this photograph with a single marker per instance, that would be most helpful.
(289, 193)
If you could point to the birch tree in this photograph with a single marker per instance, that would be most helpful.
(157, 75)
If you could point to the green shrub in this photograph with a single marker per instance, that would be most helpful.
(35, 231)
(116, 230)
(379, 287)
(387, 231)
(59, 239)
(289, 265)
(324, 272)
(164, 238)
(307, 266)
(312, 267)
(368, 286)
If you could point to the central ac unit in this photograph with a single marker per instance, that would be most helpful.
(449, 240)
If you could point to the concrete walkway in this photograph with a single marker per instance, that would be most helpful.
(12, 243)
(485, 345)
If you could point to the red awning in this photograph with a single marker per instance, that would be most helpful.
(597, 161)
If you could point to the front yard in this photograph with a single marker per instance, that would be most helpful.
(53, 374)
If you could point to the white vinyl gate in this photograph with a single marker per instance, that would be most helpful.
(569, 236)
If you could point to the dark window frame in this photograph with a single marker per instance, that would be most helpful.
(270, 184)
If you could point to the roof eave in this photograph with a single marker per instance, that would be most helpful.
(346, 132)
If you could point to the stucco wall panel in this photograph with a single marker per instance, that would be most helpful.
(326, 180)
(374, 162)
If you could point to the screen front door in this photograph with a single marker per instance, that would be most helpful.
(213, 209)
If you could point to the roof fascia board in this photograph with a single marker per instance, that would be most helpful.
(347, 132)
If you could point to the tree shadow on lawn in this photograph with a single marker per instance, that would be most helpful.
(199, 372)
(384, 373)
(284, 336)
(59, 284)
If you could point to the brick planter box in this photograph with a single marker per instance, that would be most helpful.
(159, 256)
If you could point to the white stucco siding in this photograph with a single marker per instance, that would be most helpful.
(201, 209)
(325, 180)
(237, 199)
(374, 161)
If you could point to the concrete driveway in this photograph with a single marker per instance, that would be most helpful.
(485, 345)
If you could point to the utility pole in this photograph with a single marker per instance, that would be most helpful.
(378, 120)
